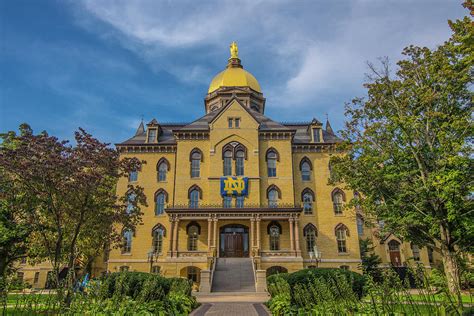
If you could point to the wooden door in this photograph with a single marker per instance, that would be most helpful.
(233, 245)
(395, 258)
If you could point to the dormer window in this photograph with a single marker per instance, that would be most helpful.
(151, 135)
(237, 122)
(316, 135)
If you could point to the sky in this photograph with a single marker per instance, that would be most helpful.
(103, 65)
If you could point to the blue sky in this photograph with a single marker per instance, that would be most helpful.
(101, 64)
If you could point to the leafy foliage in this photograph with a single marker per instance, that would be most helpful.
(409, 146)
(67, 196)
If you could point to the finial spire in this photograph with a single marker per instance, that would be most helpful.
(234, 50)
(328, 125)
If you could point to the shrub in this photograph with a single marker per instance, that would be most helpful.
(307, 276)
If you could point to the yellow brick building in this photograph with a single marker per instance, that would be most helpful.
(235, 183)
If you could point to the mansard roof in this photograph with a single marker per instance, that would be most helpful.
(302, 135)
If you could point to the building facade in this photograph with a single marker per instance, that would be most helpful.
(235, 183)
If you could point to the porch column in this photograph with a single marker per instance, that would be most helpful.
(258, 235)
(292, 242)
(252, 234)
(171, 251)
(209, 233)
(297, 236)
(214, 243)
(176, 231)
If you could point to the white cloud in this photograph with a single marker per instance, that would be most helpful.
(312, 50)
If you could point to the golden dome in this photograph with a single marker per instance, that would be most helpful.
(234, 75)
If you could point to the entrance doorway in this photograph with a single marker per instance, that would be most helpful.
(234, 241)
(394, 250)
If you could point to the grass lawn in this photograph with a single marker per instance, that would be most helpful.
(13, 298)
(438, 298)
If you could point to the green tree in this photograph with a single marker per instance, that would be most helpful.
(75, 211)
(409, 146)
(370, 261)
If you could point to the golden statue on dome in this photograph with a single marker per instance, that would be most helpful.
(234, 50)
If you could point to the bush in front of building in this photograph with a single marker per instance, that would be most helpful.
(306, 276)
(335, 292)
(131, 290)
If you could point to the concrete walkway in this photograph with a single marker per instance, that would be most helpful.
(231, 309)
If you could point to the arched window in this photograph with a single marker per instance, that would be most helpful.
(338, 199)
(162, 167)
(193, 230)
(416, 252)
(239, 163)
(274, 231)
(130, 202)
(308, 197)
(305, 167)
(341, 236)
(227, 163)
(227, 201)
(194, 194)
(127, 240)
(272, 198)
(192, 274)
(239, 201)
(155, 269)
(133, 176)
(196, 158)
(158, 233)
(310, 234)
(360, 225)
(272, 158)
(160, 201)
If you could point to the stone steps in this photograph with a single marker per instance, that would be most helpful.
(248, 297)
(233, 275)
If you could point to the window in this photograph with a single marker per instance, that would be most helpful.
(237, 122)
(310, 234)
(196, 164)
(160, 199)
(194, 198)
(416, 252)
(23, 260)
(360, 226)
(162, 170)
(430, 255)
(239, 163)
(393, 245)
(157, 241)
(193, 235)
(155, 269)
(124, 268)
(272, 157)
(341, 235)
(192, 273)
(36, 279)
(130, 202)
(337, 202)
(151, 135)
(305, 171)
(274, 237)
(307, 203)
(227, 201)
(273, 198)
(133, 176)
(227, 163)
(345, 268)
(126, 241)
(229, 121)
(239, 201)
(19, 276)
(316, 137)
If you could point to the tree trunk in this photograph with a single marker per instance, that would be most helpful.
(451, 269)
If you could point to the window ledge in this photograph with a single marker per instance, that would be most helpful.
(126, 254)
(344, 254)
(340, 215)
(196, 178)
